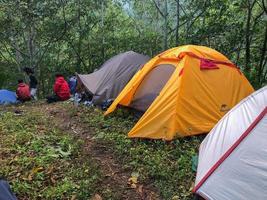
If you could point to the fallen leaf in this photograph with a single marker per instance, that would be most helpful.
(50, 170)
(37, 169)
(96, 197)
(140, 189)
(175, 198)
(133, 179)
(13, 160)
(52, 180)
(30, 177)
(33, 172)
(73, 197)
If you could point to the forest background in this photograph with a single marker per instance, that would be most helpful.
(71, 36)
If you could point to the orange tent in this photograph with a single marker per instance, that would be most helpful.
(183, 91)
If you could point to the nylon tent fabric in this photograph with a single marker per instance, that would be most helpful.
(5, 191)
(107, 82)
(202, 88)
(7, 97)
(232, 158)
(150, 87)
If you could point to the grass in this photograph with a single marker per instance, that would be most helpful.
(41, 162)
(166, 165)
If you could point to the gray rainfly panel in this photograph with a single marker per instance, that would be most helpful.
(243, 175)
(151, 86)
(107, 82)
(234, 155)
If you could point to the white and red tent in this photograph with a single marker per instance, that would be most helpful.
(233, 157)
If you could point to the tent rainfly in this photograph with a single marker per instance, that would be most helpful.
(183, 91)
(7, 97)
(107, 82)
(233, 157)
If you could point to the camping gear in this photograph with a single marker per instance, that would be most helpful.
(183, 91)
(7, 97)
(232, 159)
(5, 191)
(77, 99)
(106, 104)
(107, 82)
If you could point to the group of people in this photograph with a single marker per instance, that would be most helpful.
(62, 89)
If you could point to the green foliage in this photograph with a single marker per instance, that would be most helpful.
(41, 162)
(167, 165)
(78, 36)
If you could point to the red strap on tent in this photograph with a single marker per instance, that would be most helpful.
(231, 149)
(208, 63)
(181, 72)
(205, 64)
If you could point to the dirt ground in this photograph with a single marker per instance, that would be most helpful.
(116, 178)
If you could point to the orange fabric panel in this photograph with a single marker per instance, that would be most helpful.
(206, 95)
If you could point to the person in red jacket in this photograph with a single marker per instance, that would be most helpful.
(61, 90)
(23, 91)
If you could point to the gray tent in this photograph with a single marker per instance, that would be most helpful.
(232, 160)
(107, 82)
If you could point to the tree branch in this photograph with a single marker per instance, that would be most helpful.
(161, 13)
(56, 39)
(263, 53)
(10, 54)
(264, 6)
(199, 15)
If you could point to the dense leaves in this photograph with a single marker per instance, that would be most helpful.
(42, 162)
(77, 36)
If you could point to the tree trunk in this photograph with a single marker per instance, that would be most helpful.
(78, 65)
(31, 36)
(248, 32)
(263, 53)
(177, 22)
(165, 24)
(102, 27)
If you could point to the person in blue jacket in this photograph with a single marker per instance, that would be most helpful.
(72, 84)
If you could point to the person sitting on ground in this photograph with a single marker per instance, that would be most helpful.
(61, 90)
(33, 82)
(23, 91)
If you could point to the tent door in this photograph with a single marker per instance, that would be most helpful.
(151, 86)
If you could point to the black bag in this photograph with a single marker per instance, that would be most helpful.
(106, 104)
